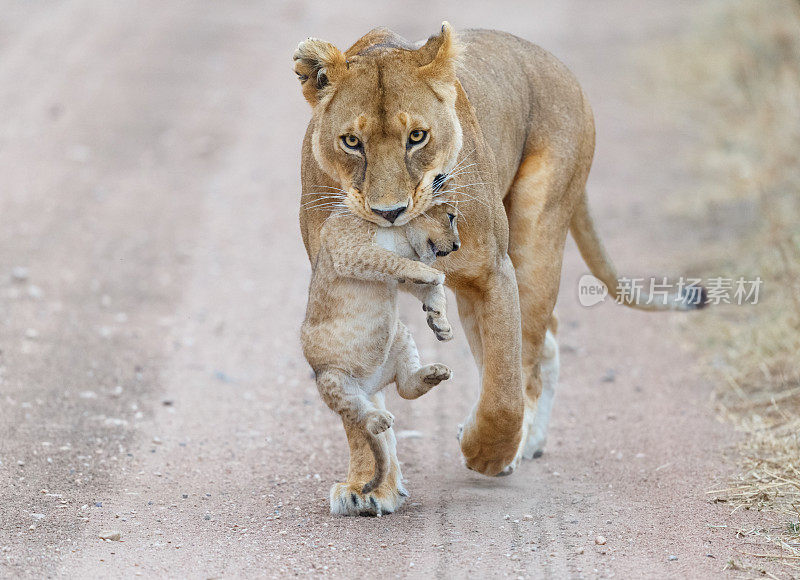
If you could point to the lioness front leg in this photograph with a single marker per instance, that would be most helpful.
(492, 432)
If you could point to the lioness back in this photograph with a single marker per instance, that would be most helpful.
(525, 99)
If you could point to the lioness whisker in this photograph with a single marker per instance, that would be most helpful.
(324, 194)
(463, 159)
(470, 198)
(456, 170)
(320, 203)
(463, 185)
(326, 206)
(329, 187)
(321, 199)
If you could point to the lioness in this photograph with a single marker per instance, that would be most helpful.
(352, 336)
(502, 126)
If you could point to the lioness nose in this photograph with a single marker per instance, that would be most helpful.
(390, 214)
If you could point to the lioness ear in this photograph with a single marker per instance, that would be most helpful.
(317, 64)
(438, 57)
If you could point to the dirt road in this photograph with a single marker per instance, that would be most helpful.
(152, 284)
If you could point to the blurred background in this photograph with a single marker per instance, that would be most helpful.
(153, 280)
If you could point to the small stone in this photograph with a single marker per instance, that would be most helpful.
(157, 441)
(19, 273)
(609, 377)
(207, 517)
(110, 535)
(409, 434)
(115, 422)
(600, 541)
(31, 334)
(506, 517)
(672, 558)
(527, 517)
(185, 496)
(579, 550)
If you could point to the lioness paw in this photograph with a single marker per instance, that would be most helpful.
(378, 421)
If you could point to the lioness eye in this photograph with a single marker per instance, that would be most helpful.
(351, 141)
(452, 218)
(417, 136)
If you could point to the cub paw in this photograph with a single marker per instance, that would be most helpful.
(440, 327)
(436, 373)
(428, 275)
(378, 421)
(347, 499)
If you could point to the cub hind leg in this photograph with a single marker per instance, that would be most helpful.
(413, 380)
(346, 498)
(344, 396)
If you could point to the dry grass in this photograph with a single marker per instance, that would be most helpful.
(739, 74)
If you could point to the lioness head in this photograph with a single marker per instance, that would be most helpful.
(385, 123)
(435, 232)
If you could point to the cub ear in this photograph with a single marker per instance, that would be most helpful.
(318, 64)
(439, 56)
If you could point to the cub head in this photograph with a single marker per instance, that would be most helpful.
(435, 232)
(384, 120)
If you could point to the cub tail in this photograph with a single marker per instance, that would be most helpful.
(595, 256)
(381, 462)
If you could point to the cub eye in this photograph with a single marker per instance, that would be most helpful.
(417, 136)
(351, 141)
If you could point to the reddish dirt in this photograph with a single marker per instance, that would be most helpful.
(151, 376)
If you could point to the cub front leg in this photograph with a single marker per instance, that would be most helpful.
(376, 263)
(434, 303)
(355, 256)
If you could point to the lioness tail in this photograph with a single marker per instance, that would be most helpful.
(594, 254)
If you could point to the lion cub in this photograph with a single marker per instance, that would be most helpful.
(352, 336)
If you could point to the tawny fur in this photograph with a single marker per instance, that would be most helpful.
(352, 336)
(510, 136)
